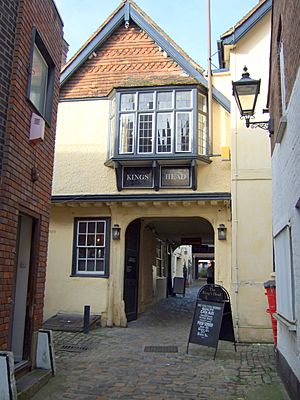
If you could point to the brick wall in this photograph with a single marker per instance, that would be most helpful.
(8, 12)
(128, 58)
(18, 191)
(285, 13)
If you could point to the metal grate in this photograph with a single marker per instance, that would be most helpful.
(73, 348)
(161, 349)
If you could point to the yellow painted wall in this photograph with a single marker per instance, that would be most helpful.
(82, 145)
(251, 193)
(63, 292)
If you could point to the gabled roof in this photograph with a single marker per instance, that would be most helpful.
(234, 34)
(237, 32)
(127, 11)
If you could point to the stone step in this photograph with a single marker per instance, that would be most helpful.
(32, 382)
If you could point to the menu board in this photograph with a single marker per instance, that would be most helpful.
(206, 324)
(179, 286)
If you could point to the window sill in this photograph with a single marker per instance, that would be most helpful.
(290, 325)
(88, 276)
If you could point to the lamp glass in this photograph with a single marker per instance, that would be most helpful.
(245, 92)
(116, 232)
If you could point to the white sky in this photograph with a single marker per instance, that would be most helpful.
(183, 20)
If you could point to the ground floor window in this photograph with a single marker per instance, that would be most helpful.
(91, 246)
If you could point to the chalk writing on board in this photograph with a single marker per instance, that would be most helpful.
(205, 319)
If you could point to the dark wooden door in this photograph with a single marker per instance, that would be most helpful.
(131, 273)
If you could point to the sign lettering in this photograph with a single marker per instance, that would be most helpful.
(137, 177)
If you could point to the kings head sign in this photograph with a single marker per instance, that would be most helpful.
(140, 177)
(175, 177)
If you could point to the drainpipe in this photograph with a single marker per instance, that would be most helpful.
(209, 79)
(235, 270)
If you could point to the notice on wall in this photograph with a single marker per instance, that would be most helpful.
(206, 324)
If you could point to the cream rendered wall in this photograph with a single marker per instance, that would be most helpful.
(251, 193)
(81, 151)
(64, 293)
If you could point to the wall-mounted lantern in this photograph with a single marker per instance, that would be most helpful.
(245, 92)
(222, 232)
(116, 232)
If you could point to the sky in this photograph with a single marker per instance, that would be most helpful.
(185, 21)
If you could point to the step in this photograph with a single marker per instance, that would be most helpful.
(32, 382)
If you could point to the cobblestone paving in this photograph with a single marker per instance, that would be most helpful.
(115, 365)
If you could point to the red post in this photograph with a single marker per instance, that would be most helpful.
(270, 287)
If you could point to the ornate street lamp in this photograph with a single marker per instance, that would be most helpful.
(116, 232)
(245, 92)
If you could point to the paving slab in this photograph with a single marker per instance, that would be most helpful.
(114, 364)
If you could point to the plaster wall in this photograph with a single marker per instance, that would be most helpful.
(65, 293)
(251, 193)
(286, 184)
(105, 295)
(82, 148)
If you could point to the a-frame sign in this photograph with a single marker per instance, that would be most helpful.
(212, 319)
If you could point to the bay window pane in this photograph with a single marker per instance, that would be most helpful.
(164, 100)
(126, 133)
(145, 101)
(202, 103)
(145, 133)
(127, 101)
(164, 133)
(183, 99)
(183, 131)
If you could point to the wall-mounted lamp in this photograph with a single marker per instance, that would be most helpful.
(116, 232)
(222, 232)
(245, 92)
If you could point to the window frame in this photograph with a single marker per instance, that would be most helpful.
(36, 41)
(93, 274)
(192, 110)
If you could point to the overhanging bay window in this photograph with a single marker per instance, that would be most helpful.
(159, 122)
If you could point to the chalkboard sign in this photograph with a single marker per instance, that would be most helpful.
(212, 319)
(179, 286)
(206, 323)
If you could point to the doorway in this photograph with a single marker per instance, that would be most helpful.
(131, 273)
(20, 331)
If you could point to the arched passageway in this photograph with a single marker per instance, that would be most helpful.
(156, 251)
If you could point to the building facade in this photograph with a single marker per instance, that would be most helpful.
(137, 174)
(284, 96)
(31, 40)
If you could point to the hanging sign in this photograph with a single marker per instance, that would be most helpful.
(137, 177)
(175, 177)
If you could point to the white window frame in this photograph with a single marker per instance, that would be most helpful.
(121, 137)
(172, 132)
(103, 247)
(285, 291)
(190, 132)
(282, 78)
(152, 132)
